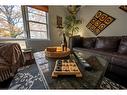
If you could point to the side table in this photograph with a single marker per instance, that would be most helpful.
(28, 56)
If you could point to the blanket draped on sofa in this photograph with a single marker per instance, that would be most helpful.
(11, 58)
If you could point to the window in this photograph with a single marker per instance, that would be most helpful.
(38, 24)
(11, 22)
(12, 26)
(31, 24)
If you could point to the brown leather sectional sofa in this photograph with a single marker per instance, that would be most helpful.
(113, 49)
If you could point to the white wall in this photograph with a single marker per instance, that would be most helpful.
(55, 11)
(117, 28)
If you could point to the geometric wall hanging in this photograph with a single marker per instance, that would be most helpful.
(99, 22)
(123, 7)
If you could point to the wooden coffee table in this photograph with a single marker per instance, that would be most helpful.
(91, 77)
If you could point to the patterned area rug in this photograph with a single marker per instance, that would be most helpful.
(29, 78)
(109, 84)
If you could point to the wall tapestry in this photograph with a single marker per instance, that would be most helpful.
(124, 8)
(99, 22)
(59, 22)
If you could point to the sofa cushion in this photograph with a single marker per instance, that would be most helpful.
(98, 52)
(118, 71)
(107, 43)
(119, 60)
(123, 46)
(89, 42)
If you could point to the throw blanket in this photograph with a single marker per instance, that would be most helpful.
(12, 58)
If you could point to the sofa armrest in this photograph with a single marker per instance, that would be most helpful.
(75, 41)
(11, 58)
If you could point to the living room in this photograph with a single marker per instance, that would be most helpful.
(41, 31)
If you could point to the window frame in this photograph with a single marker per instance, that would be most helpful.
(47, 25)
(24, 10)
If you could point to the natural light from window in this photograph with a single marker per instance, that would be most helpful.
(37, 23)
(11, 22)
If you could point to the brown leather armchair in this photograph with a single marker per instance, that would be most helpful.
(11, 58)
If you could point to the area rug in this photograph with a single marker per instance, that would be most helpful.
(29, 78)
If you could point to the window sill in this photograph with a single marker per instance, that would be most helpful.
(25, 39)
(11, 39)
(38, 39)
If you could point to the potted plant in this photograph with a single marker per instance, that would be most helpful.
(71, 23)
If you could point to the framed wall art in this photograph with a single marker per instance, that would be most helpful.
(124, 8)
(99, 22)
(59, 22)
